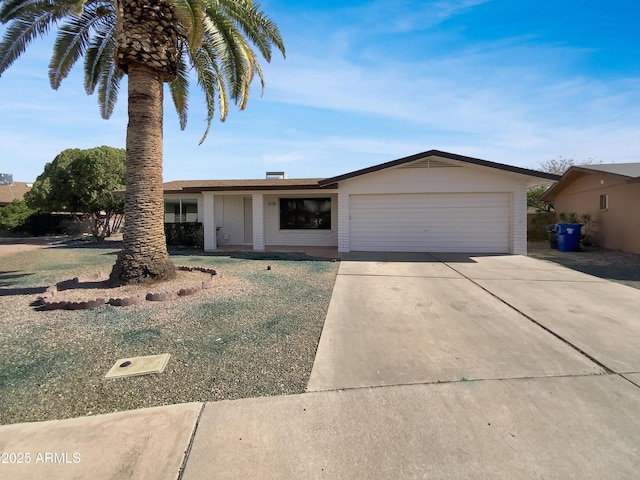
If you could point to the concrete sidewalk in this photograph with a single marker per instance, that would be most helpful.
(139, 444)
(564, 427)
(429, 366)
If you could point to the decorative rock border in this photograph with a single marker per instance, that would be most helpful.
(48, 302)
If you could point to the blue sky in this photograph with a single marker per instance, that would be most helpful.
(364, 82)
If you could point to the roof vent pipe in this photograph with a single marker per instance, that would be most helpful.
(277, 175)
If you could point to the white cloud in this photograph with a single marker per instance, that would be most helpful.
(401, 16)
(497, 96)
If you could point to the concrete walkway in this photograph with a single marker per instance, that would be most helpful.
(429, 366)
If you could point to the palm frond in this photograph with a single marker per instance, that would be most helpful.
(261, 77)
(247, 77)
(12, 8)
(29, 19)
(71, 43)
(211, 81)
(108, 88)
(190, 14)
(98, 55)
(230, 48)
(256, 26)
(179, 88)
(219, 44)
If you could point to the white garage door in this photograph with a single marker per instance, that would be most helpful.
(450, 222)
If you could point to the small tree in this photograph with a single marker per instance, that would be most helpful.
(82, 183)
(533, 199)
(557, 166)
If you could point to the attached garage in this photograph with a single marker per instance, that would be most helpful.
(430, 222)
(435, 202)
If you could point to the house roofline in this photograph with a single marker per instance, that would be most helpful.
(573, 173)
(240, 188)
(438, 153)
(332, 182)
(199, 186)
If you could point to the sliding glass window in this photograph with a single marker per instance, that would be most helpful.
(180, 210)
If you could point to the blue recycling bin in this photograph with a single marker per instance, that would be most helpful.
(568, 236)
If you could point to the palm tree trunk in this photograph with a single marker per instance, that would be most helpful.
(144, 255)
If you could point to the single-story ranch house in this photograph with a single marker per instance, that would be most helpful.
(610, 193)
(428, 202)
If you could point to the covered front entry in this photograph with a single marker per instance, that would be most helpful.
(430, 222)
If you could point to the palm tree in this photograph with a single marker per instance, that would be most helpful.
(152, 42)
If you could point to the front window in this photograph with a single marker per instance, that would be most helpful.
(180, 210)
(305, 213)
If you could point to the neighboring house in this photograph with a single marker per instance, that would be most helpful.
(429, 202)
(13, 191)
(611, 194)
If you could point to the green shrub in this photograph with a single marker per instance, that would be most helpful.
(14, 216)
(537, 225)
(184, 234)
(41, 223)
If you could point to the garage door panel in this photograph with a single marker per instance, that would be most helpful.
(447, 216)
(481, 218)
(433, 231)
(434, 198)
(430, 222)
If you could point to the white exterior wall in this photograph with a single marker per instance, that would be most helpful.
(219, 211)
(230, 224)
(257, 206)
(463, 179)
(209, 222)
(230, 219)
(307, 238)
(343, 221)
(519, 221)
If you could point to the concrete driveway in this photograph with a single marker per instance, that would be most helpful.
(450, 366)
(436, 366)
(424, 318)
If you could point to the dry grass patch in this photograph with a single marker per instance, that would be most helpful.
(254, 333)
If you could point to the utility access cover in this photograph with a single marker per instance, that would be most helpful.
(129, 367)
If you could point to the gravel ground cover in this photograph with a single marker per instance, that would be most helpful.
(255, 333)
(614, 265)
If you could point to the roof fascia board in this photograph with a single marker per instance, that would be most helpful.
(256, 188)
(592, 171)
(572, 174)
(446, 155)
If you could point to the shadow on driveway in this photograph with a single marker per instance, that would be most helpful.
(614, 265)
